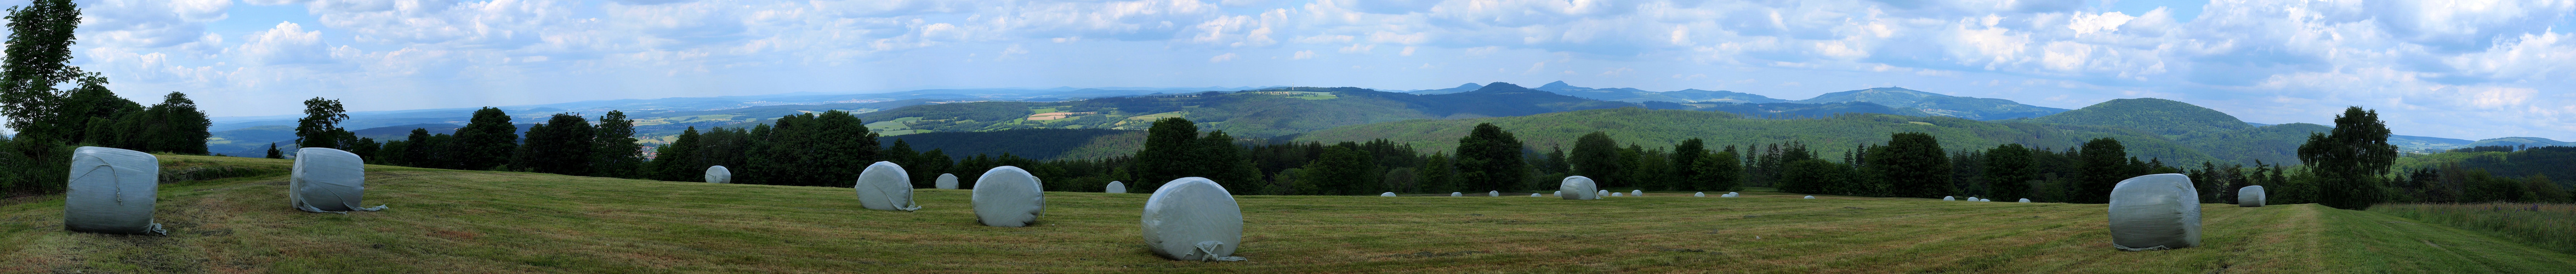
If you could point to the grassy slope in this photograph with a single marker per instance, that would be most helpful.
(459, 221)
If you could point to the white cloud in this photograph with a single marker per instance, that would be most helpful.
(288, 43)
(2105, 22)
(1221, 58)
(1303, 55)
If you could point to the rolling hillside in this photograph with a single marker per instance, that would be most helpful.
(1253, 113)
(1831, 136)
(1971, 108)
(2160, 116)
(504, 222)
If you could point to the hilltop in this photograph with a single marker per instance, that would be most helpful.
(2160, 116)
(1971, 108)
(1829, 135)
(506, 222)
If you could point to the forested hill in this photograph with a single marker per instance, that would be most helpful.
(1938, 104)
(1252, 113)
(1831, 136)
(2160, 116)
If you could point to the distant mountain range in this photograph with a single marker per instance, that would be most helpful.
(1289, 112)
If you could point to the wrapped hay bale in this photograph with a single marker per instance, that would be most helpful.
(1388, 194)
(1811, 196)
(884, 186)
(1618, 194)
(1535, 195)
(1601, 193)
(1576, 188)
(1115, 187)
(328, 180)
(2250, 196)
(1699, 194)
(1193, 219)
(1008, 197)
(112, 191)
(2155, 212)
(720, 175)
(1637, 193)
(1948, 198)
(1457, 194)
(1985, 200)
(945, 181)
(1559, 193)
(2025, 200)
(1493, 193)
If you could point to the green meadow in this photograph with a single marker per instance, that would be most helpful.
(505, 222)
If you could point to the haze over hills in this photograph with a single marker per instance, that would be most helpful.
(1971, 108)
(1289, 111)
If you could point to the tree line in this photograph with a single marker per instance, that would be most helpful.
(51, 120)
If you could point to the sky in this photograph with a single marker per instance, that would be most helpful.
(2449, 68)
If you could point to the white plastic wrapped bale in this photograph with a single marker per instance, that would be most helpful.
(1985, 200)
(1699, 194)
(1388, 194)
(2250, 196)
(112, 191)
(720, 175)
(1811, 196)
(1193, 219)
(1559, 193)
(1456, 194)
(2155, 212)
(1948, 198)
(1972, 199)
(1008, 197)
(1601, 193)
(2025, 200)
(945, 181)
(328, 180)
(1534, 195)
(1494, 193)
(1618, 194)
(1115, 187)
(1576, 188)
(1637, 193)
(884, 186)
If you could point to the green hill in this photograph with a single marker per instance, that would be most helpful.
(505, 222)
(1831, 136)
(2160, 116)
(1937, 104)
(1251, 113)
(2520, 141)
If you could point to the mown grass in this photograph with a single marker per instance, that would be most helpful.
(2551, 226)
(501, 222)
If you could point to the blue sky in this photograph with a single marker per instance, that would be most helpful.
(2459, 69)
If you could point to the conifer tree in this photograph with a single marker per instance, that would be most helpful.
(1913, 165)
(678, 160)
(2104, 163)
(2009, 172)
(614, 152)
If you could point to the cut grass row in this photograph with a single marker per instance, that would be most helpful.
(502, 222)
(2550, 226)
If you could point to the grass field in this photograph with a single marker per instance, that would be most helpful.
(2550, 226)
(485, 222)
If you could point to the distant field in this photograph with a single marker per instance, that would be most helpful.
(483, 222)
